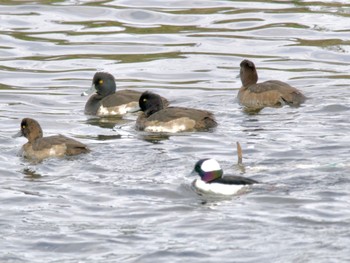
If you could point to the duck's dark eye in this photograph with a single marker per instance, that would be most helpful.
(100, 81)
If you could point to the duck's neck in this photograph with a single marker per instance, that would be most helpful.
(34, 136)
(154, 108)
(249, 77)
(93, 104)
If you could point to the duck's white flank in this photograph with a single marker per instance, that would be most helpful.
(118, 110)
(216, 188)
(105, 111)
(58, 150)
(177, 125)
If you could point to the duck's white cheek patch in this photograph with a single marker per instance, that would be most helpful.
(215, 188)
(177, 125)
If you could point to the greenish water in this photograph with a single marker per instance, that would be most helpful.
(130, 199)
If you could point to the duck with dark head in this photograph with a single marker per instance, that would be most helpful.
(107, 101)
(156, 117)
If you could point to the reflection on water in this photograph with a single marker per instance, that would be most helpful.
(107, 122)
(154, 138)
(30, 173)
(130, 199)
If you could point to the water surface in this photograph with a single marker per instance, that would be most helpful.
(130, 199)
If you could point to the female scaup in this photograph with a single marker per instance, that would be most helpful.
(272, 93)
(39, 147)
(158, 118)
(107, 101)
(212, 180)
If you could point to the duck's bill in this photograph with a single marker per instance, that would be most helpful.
(89, 91)
(18, 134)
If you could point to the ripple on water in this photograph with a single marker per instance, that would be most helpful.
(130, 199)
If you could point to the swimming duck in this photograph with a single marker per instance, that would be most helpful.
(272, 93)
(212, 180)
(158, 118)
(39, 147)
(107, 101)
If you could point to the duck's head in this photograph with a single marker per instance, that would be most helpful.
(30, 129)
(208, 169)
(103, 84)
(150, 103)
(248, 73)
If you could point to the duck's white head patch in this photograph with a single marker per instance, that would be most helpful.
(210, 165)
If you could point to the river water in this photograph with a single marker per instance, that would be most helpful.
(130, 199)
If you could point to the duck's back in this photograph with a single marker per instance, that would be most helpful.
(118, 103)
(59, 145)
(121, 97)
(235, 180)
(272, 93)
(126, 96)
(176, 119)
(201, 119)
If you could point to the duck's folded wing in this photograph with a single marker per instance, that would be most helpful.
(172, 113)
(49, 142)
(121, 97)
(275, 91)
(239, 180)
(271, 85)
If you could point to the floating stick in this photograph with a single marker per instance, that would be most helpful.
(239, 154)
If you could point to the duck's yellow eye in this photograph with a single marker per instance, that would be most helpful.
(23, 126)
(144, 100)
(100, 81)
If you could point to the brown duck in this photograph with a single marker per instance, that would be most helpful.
(272, 93)
(39, 147)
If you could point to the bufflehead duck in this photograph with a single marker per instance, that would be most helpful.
(212, 180)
